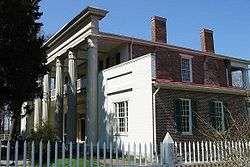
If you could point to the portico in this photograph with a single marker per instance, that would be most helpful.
(70, 87)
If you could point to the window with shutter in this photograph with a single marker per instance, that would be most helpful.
(218, 116)
(184, 116)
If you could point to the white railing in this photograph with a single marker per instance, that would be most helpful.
(80, 84)
(211, 152)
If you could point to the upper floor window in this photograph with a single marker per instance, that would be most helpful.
(186, 69)
(121, 116)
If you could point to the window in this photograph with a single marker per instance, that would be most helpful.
(219, 116)
(186, 69)
(186, 116)
(121, 116)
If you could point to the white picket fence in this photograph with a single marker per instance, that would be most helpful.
(75, 154)
(211, 152)
(62, 154)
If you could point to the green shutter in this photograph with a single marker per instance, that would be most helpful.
(178, 114)
(226, 115)
(194, 116)
(212, 114)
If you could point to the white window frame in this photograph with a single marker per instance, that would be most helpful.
(126, 117)
(189, 58)
(222, 115)
(190, 132)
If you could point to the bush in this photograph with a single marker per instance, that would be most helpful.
(44, 132)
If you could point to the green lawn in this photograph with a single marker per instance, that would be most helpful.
(66, 163)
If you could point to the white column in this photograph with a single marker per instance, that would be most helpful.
(71, 113)
(245, 78)
(45, 98)
(91, 114)
(58, 117)
(37, 111)
(23, 118)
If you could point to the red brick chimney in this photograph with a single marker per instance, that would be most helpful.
(207, 40)
(158, 29)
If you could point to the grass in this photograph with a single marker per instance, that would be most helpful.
(66, 163)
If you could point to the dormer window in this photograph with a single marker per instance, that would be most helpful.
(186, 69)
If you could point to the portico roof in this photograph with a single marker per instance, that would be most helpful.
(100, 13)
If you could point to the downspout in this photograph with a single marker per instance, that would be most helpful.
(154, 120)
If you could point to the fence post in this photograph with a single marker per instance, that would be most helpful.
(168, 151)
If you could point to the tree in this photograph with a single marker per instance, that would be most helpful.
(22, 55)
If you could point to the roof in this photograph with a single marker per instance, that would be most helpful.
(174, 47)
(168, 84)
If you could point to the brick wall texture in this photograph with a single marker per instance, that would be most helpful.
(206, 69)
(166, 109)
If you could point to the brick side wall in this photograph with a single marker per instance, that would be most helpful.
(206, 70)
(165, 112)
(215, 71)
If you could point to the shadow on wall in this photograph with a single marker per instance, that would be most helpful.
(106, 116)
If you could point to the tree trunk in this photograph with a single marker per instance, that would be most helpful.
(15, 128)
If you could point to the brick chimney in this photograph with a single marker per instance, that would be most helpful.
(158, 29)
(207, 40)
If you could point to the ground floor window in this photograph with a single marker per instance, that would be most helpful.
(121, 116)
(186, 116)
(219, 116)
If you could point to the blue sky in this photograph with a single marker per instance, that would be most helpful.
(230, 20)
